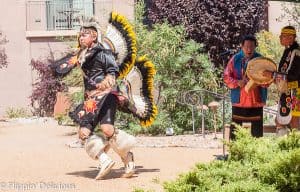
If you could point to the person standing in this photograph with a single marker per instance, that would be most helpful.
(247, 106)
(287, 79)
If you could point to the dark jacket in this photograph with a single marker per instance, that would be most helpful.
(289, 64)
(98, 63)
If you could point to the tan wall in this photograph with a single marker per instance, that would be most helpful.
(104, 7)
(275, 11)
(25, 44)
(125, 7)
(36, 19)
(15, 80)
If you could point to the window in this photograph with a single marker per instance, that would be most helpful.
(64, 14)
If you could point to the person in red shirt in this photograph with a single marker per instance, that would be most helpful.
(247, 106)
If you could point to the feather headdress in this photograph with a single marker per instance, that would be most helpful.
(91, 22)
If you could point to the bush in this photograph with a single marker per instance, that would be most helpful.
(16, 112)
(250, 149)
(292, 142)
(264, 164)
(74, 78)
(131, 124)
(43, 96)
(219, 176)
(219, 25)
(269, 45)
(181, 65)
(283, 171)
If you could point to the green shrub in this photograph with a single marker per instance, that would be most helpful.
(291, 142)
(64, 119)
(131, 125)
(269, 45)
(283, 171)
(12, 112)
(160, 125)
(264, 164)
(181, 64)
(219, 176)
(247, 185)
(74, 78)
(252, 150)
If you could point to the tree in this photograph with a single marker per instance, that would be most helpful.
(181, 65)
(3, 56)
(218, 24)
(43, 96)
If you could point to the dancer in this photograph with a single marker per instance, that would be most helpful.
(102, 62)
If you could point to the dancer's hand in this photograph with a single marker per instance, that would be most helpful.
(241, 83)
(107, 83)
(84, 133)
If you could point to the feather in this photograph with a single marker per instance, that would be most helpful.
(141, 87)
(121, 39)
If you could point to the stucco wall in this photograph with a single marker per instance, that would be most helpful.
(16, 80)
(275, 11)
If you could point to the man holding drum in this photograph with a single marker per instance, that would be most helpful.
(247, 103)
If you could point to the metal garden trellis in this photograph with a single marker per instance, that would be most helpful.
(195, 98)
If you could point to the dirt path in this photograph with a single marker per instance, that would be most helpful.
(34, 158)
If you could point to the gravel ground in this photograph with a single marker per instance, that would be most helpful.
(192, 141)
(208, 141)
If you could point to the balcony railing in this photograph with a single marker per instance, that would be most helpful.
(57, 15)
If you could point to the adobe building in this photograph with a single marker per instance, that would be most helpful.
(34, 29)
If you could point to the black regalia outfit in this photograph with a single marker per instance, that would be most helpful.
(98, 106)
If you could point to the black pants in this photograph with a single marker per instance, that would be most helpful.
(99, 111)
(243, 115)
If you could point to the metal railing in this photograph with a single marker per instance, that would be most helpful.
(196, 99)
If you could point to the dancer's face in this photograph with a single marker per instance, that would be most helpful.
(248, 48)
(287, 39)
(87, 38)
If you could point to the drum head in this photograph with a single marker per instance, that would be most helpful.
(257, 66)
